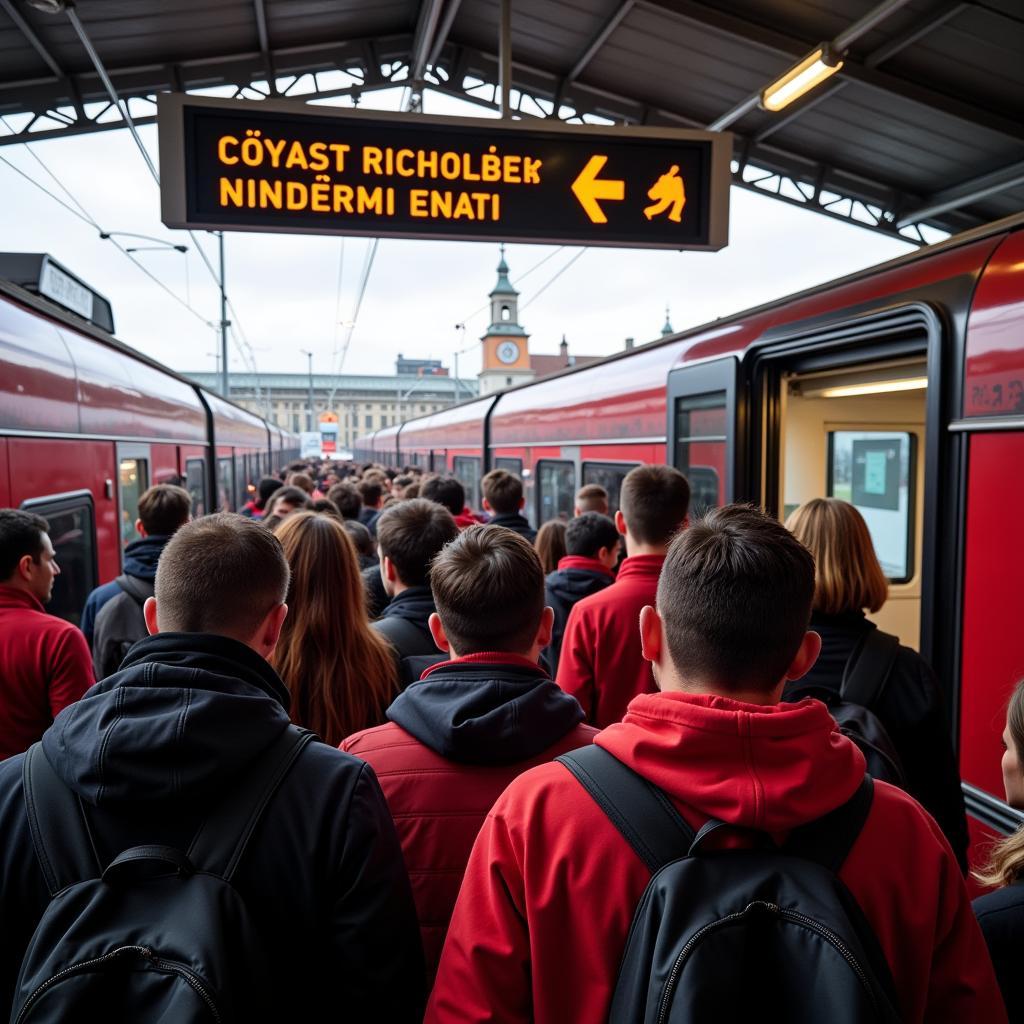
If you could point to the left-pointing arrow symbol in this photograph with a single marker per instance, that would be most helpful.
(588, 189)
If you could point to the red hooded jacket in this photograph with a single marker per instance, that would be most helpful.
(551, 885)
(600, 662)
(456, 739)
(45, 665)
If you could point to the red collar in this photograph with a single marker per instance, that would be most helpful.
(641, 566)
(582, 562)
(15, 597)
(486, 657)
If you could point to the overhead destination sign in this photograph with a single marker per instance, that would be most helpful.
(285, 166)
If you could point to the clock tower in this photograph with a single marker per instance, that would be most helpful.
(506, 356)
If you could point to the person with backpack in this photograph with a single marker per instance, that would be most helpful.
(119, 622)
(757, 872)
(860, 666)
(174, 849)
(472, 723)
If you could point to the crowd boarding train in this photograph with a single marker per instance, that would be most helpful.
(87, 423)
(899, 388)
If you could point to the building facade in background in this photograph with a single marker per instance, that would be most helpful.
(362, 403)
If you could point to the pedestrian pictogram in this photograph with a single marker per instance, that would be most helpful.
(667, 191)
(588, 189)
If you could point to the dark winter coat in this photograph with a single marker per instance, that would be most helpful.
(575, 578)
(148, 749)
(120, 624)
(515, 522)
(1001, 916)
(404, 622)
(456, 739)
(140, 559)
(910, 707)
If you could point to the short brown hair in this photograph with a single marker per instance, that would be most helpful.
(502, 490)
(849, 576)
(654, 501)
(592, 498)
(347, 498)
(735, 599)
(301, 480)
(371, 491)
(411, 533)
(164, 508)
(220, 574)
(489, 590)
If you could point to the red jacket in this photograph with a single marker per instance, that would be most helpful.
(551, 886)
(45, 665)
(478, 722)
(600, 662)
(466, 519)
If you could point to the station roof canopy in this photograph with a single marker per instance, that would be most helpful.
(923, 126)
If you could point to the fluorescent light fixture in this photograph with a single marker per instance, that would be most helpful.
(880, 387)
(811, 71)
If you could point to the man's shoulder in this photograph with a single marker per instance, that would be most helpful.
(379, 737)
(103, 593)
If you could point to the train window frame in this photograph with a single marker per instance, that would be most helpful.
(141, 455)
(510, 465)
(229, 491)
(51, 505)
(612, 466)
(198, 508)
(472, 491)
(538, 475)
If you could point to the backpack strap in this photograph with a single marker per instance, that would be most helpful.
(828, 840)
(60, 833)
(134, 588)
(868, 667)
(222, 838)
(639, 810)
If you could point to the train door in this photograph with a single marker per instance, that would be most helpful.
(134, 467)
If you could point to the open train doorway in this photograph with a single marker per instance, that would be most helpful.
(857, 432)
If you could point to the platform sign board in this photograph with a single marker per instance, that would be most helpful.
(286, 166)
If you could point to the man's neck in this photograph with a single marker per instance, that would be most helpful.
(398, 587)
(676, 684)
(634, 548)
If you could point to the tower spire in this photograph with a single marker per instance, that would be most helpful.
(666, 329)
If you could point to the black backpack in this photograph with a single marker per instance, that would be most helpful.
(865, 674)
(158, 934)
(739, 935)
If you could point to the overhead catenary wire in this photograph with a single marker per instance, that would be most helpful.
(350, 328)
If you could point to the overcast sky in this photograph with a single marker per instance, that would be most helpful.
(284, 287)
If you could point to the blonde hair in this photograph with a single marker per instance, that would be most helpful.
(1005, 862)
(848, 576)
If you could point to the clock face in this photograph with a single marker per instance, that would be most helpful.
(508, 351)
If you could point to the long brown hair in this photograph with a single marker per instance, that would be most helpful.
(342, 674)
(1005, 862)
(848, 576)
(550, 544)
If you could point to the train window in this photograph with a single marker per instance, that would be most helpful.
(242, 481)
(556, 490)
(700, 447)
(73, 535)
(466, 469)
(225, 484)
(195, 482)
(875, 471)
(133, 480)
(510, 466)
(610, 476)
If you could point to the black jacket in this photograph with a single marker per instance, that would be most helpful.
(373, 586)
(910, 707)
(570, 582)
(404, 623)
(1001, 916)
(148, 748)
(516, 522)
(120, 624)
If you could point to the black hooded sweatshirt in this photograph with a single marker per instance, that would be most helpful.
(150, 748)
(516, 522)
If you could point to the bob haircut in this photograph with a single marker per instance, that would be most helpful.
(848, 576)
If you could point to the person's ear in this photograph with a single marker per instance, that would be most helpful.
(652, 635)
(609, 555)
(545, 629)
(620, 522)
(436, 628)
(576, 512)
(806, 656)
(522, 504)
(149, 614)
(139, 528)
(487, 506)
(390, 574)
(270, 630)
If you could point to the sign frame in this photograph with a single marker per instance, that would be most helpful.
(173, 188)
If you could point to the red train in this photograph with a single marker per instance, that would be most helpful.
(900, 388)
(88, 423)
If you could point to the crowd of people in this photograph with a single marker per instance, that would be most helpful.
(440, 765)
